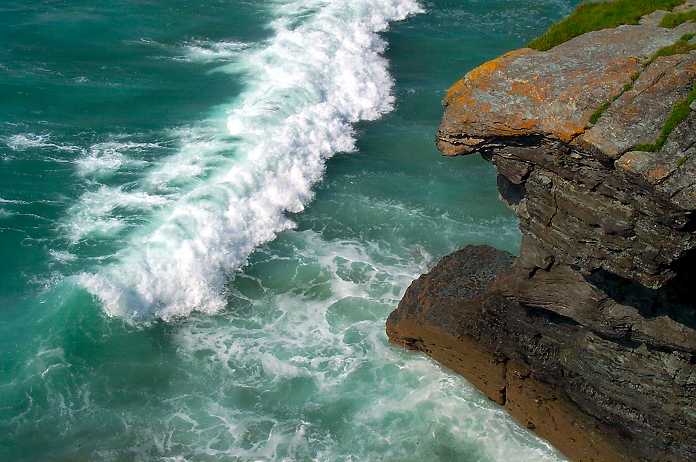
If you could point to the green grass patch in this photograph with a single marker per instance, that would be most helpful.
(672, 20)
(596, 115)
(681, 162)
(679, 113)
(680, 47)
(589, 17)
(594, 118)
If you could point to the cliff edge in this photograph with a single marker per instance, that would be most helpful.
(589, 336)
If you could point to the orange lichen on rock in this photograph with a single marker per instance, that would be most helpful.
(587, 337)
(553, 94)
(638, 115)
(529, 89)
(481, 77)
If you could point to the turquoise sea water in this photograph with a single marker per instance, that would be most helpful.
(208, 209)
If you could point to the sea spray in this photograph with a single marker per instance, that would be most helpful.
(322, 71)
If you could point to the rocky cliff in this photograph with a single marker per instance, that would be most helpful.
(589, 336)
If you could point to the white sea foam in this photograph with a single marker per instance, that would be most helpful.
(12, 201)
(95, 214)
(307, 85)
(62, 256)
(24, 141)
(106, 158)
(212, 52)
(401, 405)
(202, 150)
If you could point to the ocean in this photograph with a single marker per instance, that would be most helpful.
(208, 208)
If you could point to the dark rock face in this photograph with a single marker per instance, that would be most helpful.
(431, 315)
(534, 363)
(589, 336)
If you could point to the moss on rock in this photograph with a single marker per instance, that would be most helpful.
(593, 16)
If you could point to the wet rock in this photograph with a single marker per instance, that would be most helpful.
(431, 314)
(562, 356)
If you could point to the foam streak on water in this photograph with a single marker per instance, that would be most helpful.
(321, 72)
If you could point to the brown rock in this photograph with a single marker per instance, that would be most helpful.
(526, 93)
(543, 408)
(589, 337)
(597, 395)
(429, 316)
(624, 125)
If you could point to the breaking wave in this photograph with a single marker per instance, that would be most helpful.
(202, 211)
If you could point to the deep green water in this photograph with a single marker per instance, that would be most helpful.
(207, 211)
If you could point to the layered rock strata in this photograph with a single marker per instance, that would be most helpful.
(589, 336)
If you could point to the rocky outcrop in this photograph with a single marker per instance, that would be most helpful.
(589, 336)
(459, 315)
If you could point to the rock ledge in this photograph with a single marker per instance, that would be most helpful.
(589, 336)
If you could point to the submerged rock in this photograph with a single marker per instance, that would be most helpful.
(589, 336)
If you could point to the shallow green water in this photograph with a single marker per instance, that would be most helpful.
(207, 211)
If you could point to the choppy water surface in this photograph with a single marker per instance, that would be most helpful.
(207, 211)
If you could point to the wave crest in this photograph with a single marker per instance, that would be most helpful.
(308, 85)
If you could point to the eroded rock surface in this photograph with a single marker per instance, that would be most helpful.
(589, 336)
(527, 93)
(658, 88)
